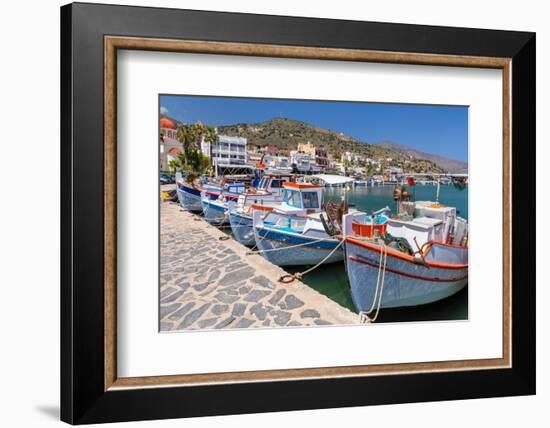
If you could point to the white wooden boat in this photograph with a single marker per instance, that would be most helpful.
(425, 260)
(293, 233)
(215, 209)
(268, 194)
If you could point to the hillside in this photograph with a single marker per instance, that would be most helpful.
(286, 134)
(449, 165)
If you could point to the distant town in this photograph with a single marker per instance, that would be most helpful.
(294, 146)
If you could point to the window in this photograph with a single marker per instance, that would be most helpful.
(311, 200)
(292, 198)
(263, 183)
(276, 184)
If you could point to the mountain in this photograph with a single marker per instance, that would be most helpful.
(286, 134)
(449, 165)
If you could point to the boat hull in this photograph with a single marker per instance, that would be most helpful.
(189, 197)
(214, 213)
(310, 253)
(406, 283)
(241, 226)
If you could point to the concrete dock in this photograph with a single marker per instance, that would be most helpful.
(208, 283)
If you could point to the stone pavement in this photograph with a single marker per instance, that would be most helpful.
(208, 283)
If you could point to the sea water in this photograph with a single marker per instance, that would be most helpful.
(332, 281)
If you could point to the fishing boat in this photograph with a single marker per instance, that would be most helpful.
(189, 195)
(215, 208)
(361, 182)
(297, 232)
(418, 257)
(268, 194)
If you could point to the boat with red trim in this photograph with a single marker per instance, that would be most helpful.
(294, 233)
(215, 209)
(265, 197)
(418, 257)
(189, 195)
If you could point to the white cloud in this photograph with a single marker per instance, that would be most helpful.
(163, 111)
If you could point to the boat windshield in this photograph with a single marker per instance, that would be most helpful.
(292, 198)
(276, 183)
(285, 223)
(311, 200)
(263, 183)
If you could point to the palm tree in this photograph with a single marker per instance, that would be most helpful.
(173, 165)
(193, 161)
(187, 136)
(210, 136)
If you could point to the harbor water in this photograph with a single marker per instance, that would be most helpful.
(331, 280)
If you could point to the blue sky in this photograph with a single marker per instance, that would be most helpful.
(441, 130)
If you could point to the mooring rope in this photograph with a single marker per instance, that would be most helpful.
(269, 250)
(227, 226)
(365, 317)
(288, 278)
(213, 223)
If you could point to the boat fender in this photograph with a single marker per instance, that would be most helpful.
(418, 259)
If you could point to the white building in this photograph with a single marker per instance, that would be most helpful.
(356, 158)
(305, 162)
(226, 151)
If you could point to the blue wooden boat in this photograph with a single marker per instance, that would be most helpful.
(189, 196)
(293, 234)
(268, 194)
(215, 210)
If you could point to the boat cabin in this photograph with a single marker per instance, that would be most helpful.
(269, 191)
(235, 188)
(301, 198)
(273, 183)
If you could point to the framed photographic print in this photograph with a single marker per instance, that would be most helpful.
(274, 213)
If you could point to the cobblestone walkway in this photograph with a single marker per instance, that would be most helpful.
(208, 283)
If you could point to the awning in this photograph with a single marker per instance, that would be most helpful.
(334, 179)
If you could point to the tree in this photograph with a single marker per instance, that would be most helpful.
(192, 160)
(197, 165)
(174, 165)
(209, 135)
(187, 136)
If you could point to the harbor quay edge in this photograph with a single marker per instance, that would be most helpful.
(208, 281)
